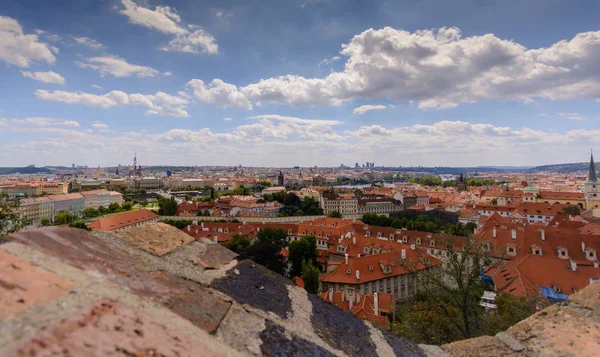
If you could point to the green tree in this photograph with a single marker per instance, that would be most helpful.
(181, 224)
(241, 191)
(335, 214)
(494, 201)
(90, 212)
(64, 217)
(275, 236)
(571, 210)
(267, 254)
(311, 276)
(102, 210)
(239, 243)
(127, 206)
(509, 310)
(79, 224)
(167, 207)
(188, 197)
(301, 250)
(46, 222)
(113, 207)
(10, 219)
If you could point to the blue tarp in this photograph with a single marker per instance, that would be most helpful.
(549, 293)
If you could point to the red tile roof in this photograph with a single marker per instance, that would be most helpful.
(122, 220)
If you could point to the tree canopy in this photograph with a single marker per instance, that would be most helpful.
(301, 250)
(167, 207)
(335, 214)
(10, 220)
(239, 243)
(310, 275)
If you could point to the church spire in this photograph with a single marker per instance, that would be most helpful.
(592, 175)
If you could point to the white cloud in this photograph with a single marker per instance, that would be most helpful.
(442, 69)
(365, 108)
(46, 77)
(295, 120)
(89, 42)
(190, 39)
(96, 86)
(328, 61)
(19, 49)
(117, 67)
(49, 36)
(571, 116)
(158, 104)
(101, 127)
(219, 93)
(43, 122)
(227, 119)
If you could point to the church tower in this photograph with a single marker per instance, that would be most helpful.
(461, 184)
(280, 179)
(591, 188)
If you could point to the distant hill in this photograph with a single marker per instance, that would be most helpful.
(23, 170)
(562, 168)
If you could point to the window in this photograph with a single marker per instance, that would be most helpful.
(389, 285)
(380, 285)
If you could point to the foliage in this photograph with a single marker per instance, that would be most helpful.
(241, 191)
(422, 223)
(571, 210)
(494, 201)
(335, 214)
(239, 243)
(267, 254)
(10, 220)
(188, 197)
(296, 207)
(310, 275)
(276, 236)
(510, 310)
(114, 207)
(167, 207)
(79, 224)
(447, 308)
(127, 206)
(437, 181)
(46, 222)
(262, 185)
(300, 250)
(90, 212)
(102, 210)
(275, 196)
(64, 217)
(177, 223)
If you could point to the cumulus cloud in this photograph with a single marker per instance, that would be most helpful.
(190, 39)
(227, 119)
(89, 42)
(571, 116)
(117, 67)
(295, 120)
(159, 103)
(46, 77)
(219, 93)
(101, 127)
(96, 86)
(20, 49)
(328, 61)
(442, 69)
(365, 108)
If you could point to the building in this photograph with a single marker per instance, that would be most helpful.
(591, 187)
(97, 198)
(280, 179)
(148, 183)
(344, 203)
(387, 272)
(374, 307)
(123, 220)
(378, 205)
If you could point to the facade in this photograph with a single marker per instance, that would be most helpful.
(148, 183)
(378, 205)
(346, 203)
(97, 198)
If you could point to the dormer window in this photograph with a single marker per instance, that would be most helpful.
(368, 234)
(511, 250)
(348, 271)
(590, 254)
(556, 288)
(303, 232)
(418, 241)
(535, 250)
(378, 234)
(366, 250)
(320, 234)
(562, 253)
(289, 231)
(341, 248)
(432, 243)
(391, 237)
(370, 268)
(405, 239)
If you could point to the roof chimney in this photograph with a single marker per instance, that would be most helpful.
(354, 240)
(376, 304)
(595, 264)
(513, 233)
(201, 224)
(216, 239)
(494, 232)
(346, 256)
(543, 235)
(330, 295)
(350, 300)
(403, 253)
(357, 275)
(573, 265)
(343, 295)
(357, 298)
(188, 227)
(583, 247)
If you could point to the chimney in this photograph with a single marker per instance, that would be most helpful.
(513, 233)
(216, 240)
(350, 301)
(343, 294)
(595, 264)
(573, 265)
(359, 256)
(494, 232)
(357, 275)
(201, 224)
(543, 235)
(346, 256)
(354, 240)
(188, 227)
(196, 231)
(429, 235)
(376, 304)
(330, 294)
(357, 298)
(403, 253)
(583, 247)
(195, 222)
(412, 247)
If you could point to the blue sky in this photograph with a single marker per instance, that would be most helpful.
(306, 82)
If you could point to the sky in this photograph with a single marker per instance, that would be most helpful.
(299, 82)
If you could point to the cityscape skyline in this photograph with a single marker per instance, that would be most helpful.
(312, 83)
